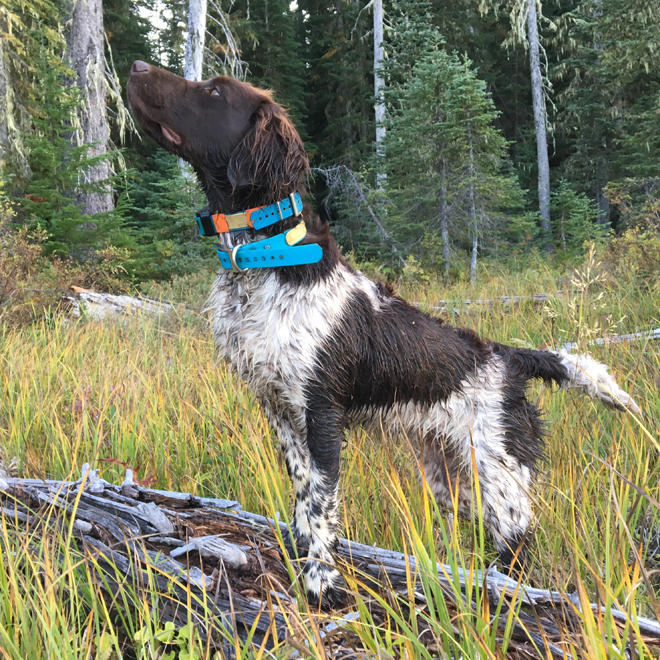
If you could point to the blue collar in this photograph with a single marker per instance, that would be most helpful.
(278, 251)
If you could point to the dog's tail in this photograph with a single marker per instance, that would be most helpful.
(569, 371)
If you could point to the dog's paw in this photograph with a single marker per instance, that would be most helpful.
(324, 585)
(296, 544)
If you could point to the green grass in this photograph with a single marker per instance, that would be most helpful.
(153, 396)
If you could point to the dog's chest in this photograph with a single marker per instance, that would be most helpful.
(271, 332)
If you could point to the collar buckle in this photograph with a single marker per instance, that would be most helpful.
(231, 253)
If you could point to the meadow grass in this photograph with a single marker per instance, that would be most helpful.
(151, 395)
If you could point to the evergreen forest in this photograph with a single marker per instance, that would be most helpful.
(510, 132)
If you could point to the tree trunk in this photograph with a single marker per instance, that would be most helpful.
(473, 212)
(602, 179)
(85, 46)
(4, 99)
(538, 101)
(379, 84)
(195, 41)
(444, 212)
(192, 69)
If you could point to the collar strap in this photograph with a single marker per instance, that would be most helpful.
(279, 250)
(256, 218)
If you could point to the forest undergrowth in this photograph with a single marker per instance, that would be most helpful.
(151, 395)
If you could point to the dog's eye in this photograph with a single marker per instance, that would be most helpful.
(215, 92)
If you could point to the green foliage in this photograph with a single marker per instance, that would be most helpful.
(574, 222)
(24, 26)
(607, 70)
(442, 149)
(337, 46)
(170, 49)
(267, 35)
(127, 30)
(50, 194)
(162, 222)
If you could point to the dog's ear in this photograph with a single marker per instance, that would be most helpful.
(271, 154)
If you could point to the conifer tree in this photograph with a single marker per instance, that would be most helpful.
(607, 108)
(446, 162)
(162, 222)
(337, 46)
(171, 44)
(575, 222)
(57, 168)
(525, 16)
(128, 34)
(268, 41)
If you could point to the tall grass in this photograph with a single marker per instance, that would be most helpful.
(152, 396)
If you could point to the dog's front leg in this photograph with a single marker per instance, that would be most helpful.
(325, 433)
(296, 455)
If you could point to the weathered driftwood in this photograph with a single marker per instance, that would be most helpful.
(444, 306)
(206, 556)
(101, 306)
(213, 547)
(647, 335)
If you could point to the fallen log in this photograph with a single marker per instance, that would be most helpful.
(227, 569)
(101, 306)
(444, 306)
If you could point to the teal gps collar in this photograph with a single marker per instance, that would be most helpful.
(278, 251)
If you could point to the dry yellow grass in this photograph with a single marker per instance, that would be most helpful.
(152, 395)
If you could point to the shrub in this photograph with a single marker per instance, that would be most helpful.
(634, 255)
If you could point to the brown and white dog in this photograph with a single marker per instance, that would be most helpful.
(324, 348)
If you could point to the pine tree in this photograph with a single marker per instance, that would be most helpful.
(337, 46)
(129, 38)
(58, 167)
(608, 105)
(584, 116)
(128, 34)
(162, 222)
(575, 222)
(171, 43)
(268, 42)
(446, 162)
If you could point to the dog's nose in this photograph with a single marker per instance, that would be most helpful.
(139, 67)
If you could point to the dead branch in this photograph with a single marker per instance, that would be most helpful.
(233, 563)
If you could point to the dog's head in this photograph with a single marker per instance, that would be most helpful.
(240, 143)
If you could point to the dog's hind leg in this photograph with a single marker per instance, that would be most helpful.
(442, 472)
(506, 505)
(474, 423)
(503, 484)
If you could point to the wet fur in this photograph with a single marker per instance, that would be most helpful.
(325, 349)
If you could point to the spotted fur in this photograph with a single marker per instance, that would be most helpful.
(338, 351)
(326, 349)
